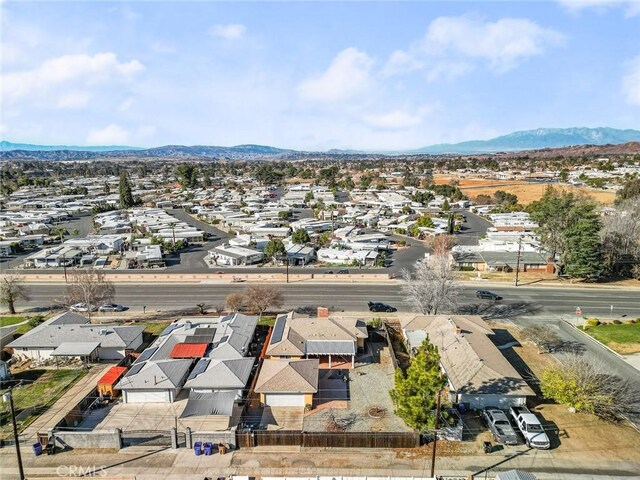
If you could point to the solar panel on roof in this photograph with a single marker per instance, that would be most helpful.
(200, 367)
(204, 331)
(278, 330)
(146, 355)
(199, 339)
(136, 368)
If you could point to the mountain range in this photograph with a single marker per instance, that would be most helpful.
(542, 138)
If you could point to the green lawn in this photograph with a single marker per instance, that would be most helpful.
(6, 321)
(270, 321)
(46, 388)
(623, 338)
(153, 328)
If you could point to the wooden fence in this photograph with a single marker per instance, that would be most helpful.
(260, 438)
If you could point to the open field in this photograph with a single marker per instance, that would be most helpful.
(526, 192)
(624, 338)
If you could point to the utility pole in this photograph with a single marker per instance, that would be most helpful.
(518, 259)
(435, 436)
(64, 266)
(8, 397)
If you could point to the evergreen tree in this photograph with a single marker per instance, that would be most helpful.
(274, 248)
(582, 256)
(300, 237)
(415, 391)
(126, 197)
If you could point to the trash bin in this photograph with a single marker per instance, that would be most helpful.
(222, 449)
(488, 448)
(208, 448)
(197, 448)
(37, 449)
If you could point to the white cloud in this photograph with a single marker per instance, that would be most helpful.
(503, 43)
(448, 70)
(631, 7)
(394, 120)
(631, 82)
(231, 31)
(73, 100)
(67, 70)
(126, 104)
(110, 135)
(348, 76)
(401, 62)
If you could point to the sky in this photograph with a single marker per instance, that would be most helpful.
(383, 75)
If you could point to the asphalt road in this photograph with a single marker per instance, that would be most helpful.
(518, 302)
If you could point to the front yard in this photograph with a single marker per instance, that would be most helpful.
(624, 338)
(41, 389)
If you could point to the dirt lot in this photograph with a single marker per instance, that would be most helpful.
(577, 434)
(526, 192)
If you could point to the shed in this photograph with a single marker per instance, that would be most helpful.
(84, 350)
(108, 380)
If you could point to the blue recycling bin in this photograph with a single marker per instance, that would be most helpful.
(197, 448)
(208, 448)
(37, 449)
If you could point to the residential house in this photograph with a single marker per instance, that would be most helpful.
(477, 372)
(287, 382)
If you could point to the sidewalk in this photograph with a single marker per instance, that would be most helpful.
(153, 463)
(66, 402)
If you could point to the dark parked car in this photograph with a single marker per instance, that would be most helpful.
(488, 295)
(343, 271)
(381, 307)
(500, 427)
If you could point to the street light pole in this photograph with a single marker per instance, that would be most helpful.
(435, 437)
(287, 260)
(518, 259)
(8, 397)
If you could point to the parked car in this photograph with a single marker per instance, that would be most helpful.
(486, 294)
(329, 272)
(500, 426)
(82, 307)
(111, 307)
(530, 427)
(343, 271)
(381, 307)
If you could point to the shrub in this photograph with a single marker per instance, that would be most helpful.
(617, 322)
(35, 321)
(592, 322)
(375, 322)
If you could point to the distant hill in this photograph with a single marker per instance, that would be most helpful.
(537, 139)
(167, 151)
(5, 146)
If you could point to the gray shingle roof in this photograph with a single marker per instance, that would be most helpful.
(51, 336)
(288, 376)
(225, 374)
(156, 376)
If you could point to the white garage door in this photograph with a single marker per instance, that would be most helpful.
(498, 401)
(155, 396)
(284, 400)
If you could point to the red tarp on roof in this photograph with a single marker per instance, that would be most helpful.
(112, 375)
(189, 350)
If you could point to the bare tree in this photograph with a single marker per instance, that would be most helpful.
(432, 286)
(583, 385)
(442, 244)
(12, 290)
(90, 287)
(543, 336)
(620, 235)
(234, 301)
(262, 297)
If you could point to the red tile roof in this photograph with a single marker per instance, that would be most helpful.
(112, 375)
(189, 350)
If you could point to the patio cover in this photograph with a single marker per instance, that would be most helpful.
(210, 403)
(75, 349)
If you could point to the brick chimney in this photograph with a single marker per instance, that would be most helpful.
(458, 331)
(323, 312)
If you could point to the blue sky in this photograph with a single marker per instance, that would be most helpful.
(307, 75)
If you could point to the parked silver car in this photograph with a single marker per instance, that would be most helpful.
(500, 427)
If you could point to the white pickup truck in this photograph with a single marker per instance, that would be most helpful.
(531, 428)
